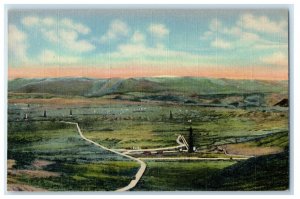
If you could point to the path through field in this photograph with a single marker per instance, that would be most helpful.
(142, 168)
(138, 175)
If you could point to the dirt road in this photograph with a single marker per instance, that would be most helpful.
(180, 145)
(142, 168)
(138, 175)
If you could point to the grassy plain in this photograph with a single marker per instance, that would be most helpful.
(268, 172)
(135, 113)
(180, 175)
(74, 164)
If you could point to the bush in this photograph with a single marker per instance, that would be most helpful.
(22, 159)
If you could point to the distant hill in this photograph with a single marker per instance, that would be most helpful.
(176, 85)
(59, 86)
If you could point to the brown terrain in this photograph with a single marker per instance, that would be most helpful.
(248, 149)
(36, 172)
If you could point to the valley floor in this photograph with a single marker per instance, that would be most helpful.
(45, 154)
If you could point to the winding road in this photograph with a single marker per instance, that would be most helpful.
(142, 168)
(180, 145)
(138, 175)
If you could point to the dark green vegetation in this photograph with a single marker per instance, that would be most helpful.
(269, 172)
(279, 139)
(237, 115)
(101, 176)
(180, 175)
(74, 164)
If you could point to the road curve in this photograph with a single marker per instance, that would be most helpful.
(155, 149)
(138, 175)
(180, 145)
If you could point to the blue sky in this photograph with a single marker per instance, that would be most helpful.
(159, 39)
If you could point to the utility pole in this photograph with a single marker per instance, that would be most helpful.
(191, 141)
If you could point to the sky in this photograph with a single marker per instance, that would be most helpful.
(235, 44)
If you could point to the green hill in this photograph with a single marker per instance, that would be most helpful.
(59, 86)
(269, 172)
(175, 85)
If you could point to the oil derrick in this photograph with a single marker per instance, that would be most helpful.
(191, 141)
(171, 115)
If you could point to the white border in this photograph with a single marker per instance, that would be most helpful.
(294, 61)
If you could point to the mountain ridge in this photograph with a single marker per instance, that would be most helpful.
(90, 87)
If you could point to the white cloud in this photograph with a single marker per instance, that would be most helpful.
(235, 31)
(117, 28)
(248, 32)
(215, 27)
(48, 21)
(206, 35)
(132, 49)
(276, 59)
(50, 35)
(17, 45)
(63, 32)
(139, 53)
(158, 30)
(80, 28)
(72, 42)
(136, 51)
(55, 23)
(215, 24)
(137, 37)
(272, 45)
(49, 57)
(220, 43)
(30, 21)
(137, 48)
(262, 24)
(248, 36)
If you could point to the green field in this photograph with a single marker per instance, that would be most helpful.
(233, 115)
(247, 175)
(74, 163)
(100, 176)
(180, 176)
(152, 132)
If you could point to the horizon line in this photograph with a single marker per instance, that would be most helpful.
(233, 72)
(159, 76)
